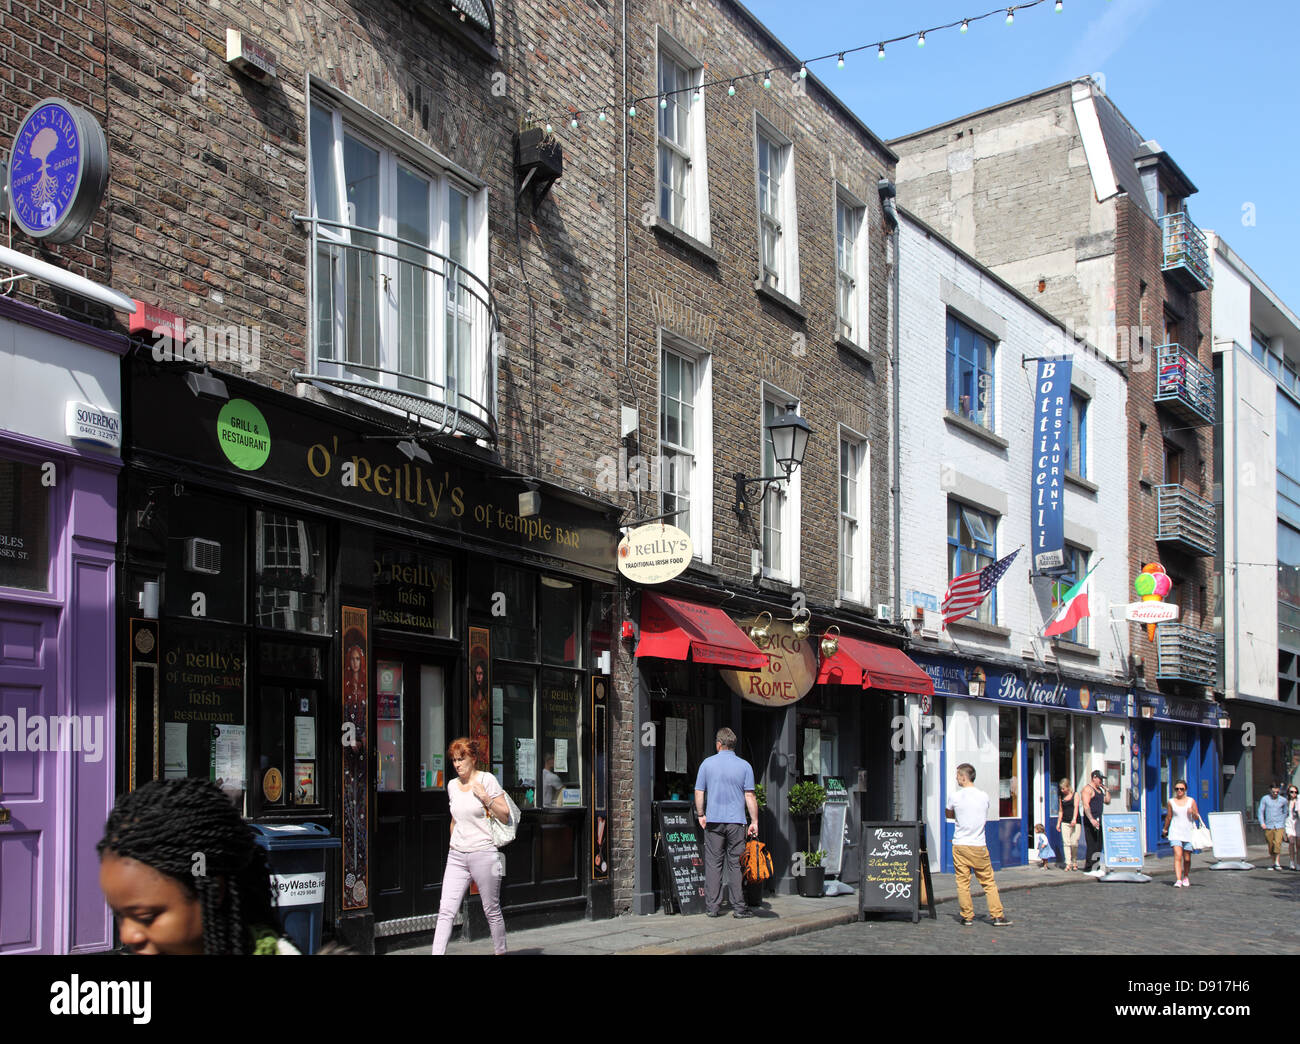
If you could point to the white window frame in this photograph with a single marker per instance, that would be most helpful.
(700, 524)
(785, 277)
(860, 591)
(695, 208)
(783, 497)
(1085, 553)
(394, 150)
(857, 270)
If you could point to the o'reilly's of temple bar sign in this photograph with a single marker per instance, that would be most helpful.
(1051, 446)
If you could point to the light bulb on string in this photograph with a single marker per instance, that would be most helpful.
(803, 72)
(880, 52)
(920, 40)
(767, 80)
(840, 64)
(631, 111)
(550, 129)
(663, 101)
(573, 123)
(1059, 6)
(601, 117)
(1011, 15)
(731, 90)
(695, 94)
(965, 25)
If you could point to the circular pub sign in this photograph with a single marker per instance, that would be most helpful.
(790, 672)
(58, 170)
(654, 554)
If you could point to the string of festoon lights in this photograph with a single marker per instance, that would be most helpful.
(602, 113)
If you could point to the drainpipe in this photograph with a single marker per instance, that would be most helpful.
(888, 192)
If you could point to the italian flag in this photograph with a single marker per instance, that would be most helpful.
(1073, 608)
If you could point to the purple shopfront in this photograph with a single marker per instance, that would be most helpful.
(60, 438)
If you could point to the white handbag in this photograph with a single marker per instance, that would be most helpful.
(504, 833)
(1201, 837)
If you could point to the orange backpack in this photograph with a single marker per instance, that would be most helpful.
(757, 862)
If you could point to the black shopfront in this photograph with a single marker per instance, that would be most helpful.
(309, 617)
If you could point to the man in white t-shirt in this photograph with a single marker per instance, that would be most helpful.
(969, 806)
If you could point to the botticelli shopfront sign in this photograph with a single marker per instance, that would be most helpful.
(58, 170)
(331, 460)
(790, 672)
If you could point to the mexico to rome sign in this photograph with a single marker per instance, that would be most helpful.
(790, 672)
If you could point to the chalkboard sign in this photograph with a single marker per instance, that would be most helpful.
(681, 857)
(832, 837)
(891, 869)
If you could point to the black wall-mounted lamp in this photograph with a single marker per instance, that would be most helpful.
(789, 434)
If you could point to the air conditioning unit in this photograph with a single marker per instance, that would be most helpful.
(885, 612)
(931, 622)
(202, 556)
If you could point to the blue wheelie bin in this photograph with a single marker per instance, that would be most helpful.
(296, 852)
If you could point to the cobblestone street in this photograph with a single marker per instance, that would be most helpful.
(1223, 912)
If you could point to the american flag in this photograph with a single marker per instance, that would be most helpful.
(967, 592)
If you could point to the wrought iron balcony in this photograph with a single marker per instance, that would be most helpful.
(404, 326)
(1185, 654)
(1184, 520)
(1184, 385)
(1187, 261)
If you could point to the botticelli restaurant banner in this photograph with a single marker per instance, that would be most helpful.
(299, 449)
(1051, 447)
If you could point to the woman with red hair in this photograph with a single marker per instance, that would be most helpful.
(474, 797)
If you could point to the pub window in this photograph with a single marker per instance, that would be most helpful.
(204, 727)
(516, 754)
(205, 559)
(24, 527)
(561, 642)
(514, 634)
(289, 571)
(289, 740)
(559, 713)
(390, 706)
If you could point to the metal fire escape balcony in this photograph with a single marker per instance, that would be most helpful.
(1187, 260)
(1184, 385)
(1185, 654)
(404, 326)
(1184, 520)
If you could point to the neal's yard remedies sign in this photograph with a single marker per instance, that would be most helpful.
(1051, 450)
(654, 554)
(58, 170)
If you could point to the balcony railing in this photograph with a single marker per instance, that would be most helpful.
(1185, 654)
(1187, 261)
(1184, 520)
(1184, 385)
(404, 326)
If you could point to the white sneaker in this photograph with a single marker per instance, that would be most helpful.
(1180, 884)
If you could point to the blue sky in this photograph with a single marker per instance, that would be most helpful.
(1214, 83)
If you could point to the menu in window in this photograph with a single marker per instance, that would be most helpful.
(176, 757)
(228, 744)
(304, 738)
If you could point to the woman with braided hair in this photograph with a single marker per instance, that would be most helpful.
(182, 873)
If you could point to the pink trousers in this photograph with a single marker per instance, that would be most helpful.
(485, 869)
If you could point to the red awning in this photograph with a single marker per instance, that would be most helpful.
(874, 667)
(673, 630)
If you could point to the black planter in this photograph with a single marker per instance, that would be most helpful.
(810, 885)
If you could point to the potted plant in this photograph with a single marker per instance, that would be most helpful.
(806, 801)
(814, 874)
(678, 787)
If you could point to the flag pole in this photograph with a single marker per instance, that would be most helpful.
(1048, 622)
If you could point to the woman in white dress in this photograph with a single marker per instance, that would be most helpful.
(1180, 813)
(1292, 822)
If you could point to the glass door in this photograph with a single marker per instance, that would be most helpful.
(413, 822)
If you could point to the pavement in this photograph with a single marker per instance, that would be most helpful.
(786, 916)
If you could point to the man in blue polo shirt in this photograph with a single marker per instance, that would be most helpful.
(728, 783)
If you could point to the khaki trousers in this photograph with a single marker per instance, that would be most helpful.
(972, 860)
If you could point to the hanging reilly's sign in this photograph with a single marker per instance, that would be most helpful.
(272, 439)
(1051, 449)
(58, 170)
(655, 553)
(790, 672)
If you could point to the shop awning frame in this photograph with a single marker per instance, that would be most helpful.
(872, 666)
(674, 629)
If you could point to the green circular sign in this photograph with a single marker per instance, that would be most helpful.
(243, 434)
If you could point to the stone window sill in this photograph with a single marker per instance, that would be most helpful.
(776, 297)
(978, 430)
(1082, 483)
(853, 348)
(1076, 650)
(670, 231)
(976, 627)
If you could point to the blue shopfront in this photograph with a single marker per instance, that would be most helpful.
(1023, 732)
(1179, 740)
